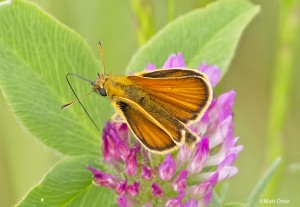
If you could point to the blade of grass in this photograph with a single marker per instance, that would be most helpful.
(261, 185)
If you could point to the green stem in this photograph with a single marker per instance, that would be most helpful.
(144, 20)
(283, 70)
(255, 195)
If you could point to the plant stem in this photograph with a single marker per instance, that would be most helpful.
(144, 20)
(255, 195)
(283, 69)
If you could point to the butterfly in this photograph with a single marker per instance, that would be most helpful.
(159, 105)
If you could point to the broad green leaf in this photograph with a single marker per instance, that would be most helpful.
(261, 185)
(69, 184)
(36, 53)
(210, 34)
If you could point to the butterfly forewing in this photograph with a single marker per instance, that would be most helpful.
(184, 97)
(172, 72)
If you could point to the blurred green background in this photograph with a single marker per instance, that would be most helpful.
(263, 73)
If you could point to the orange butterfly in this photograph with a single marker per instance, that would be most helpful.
(158, 105)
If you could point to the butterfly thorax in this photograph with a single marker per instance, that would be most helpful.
(120, 86)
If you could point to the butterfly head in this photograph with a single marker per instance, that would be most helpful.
(99, 85)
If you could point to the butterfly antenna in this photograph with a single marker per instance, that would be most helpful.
(101, 55)
(79, 98)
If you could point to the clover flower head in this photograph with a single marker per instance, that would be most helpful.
(185, 178)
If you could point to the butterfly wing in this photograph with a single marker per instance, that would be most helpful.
(172, 72)
(151, 134)
(185, 94)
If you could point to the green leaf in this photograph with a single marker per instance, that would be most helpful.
(210, 34)
(69, 184)
(36, 53)
(261, 185)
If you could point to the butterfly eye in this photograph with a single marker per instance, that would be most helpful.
(102, 92)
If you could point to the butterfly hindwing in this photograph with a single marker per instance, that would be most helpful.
(151, 134)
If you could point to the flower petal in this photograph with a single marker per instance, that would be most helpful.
(122, 148)
(104, 179)
(225, 168)
(122, 130)
(150, 67)
(191, 203)
(222, 105)
(134, 189)
(228, 161)
(175, 202)
(179, 184)
(147, 173)
(200, 127)
(131, 162)
(227, 172)
(203, 188)
(207, 198)
(156, 190)
(123, 201)
(183, 155)
(200, 157)
(225, 101)
(175, 61)
(108, 148)
(111, 136)
(121, 187)
(213, 73)
(167, 168)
